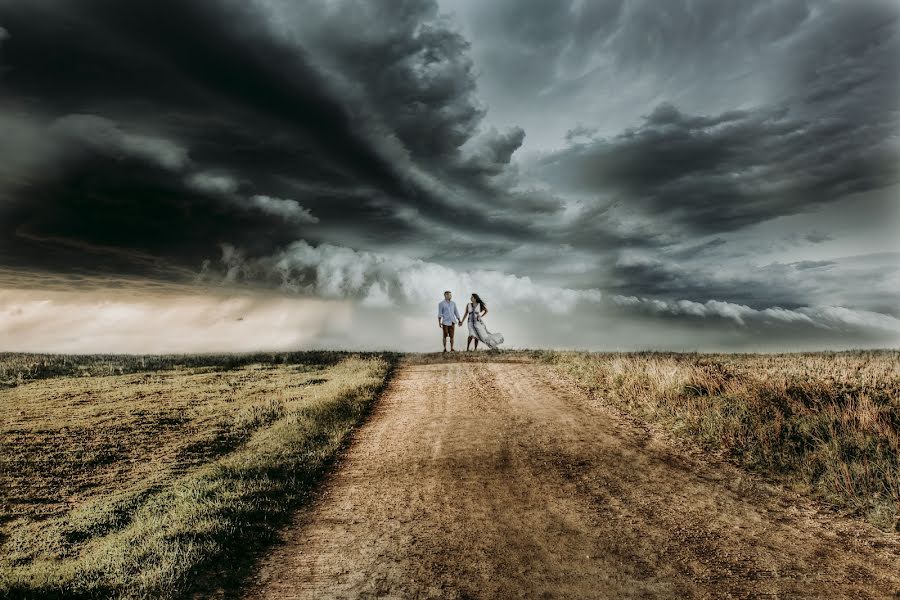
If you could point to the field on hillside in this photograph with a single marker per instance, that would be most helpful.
(826, 424)
(130, 475)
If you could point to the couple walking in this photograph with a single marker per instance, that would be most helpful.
(448, 317)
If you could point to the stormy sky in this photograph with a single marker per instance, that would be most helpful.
(606, 174)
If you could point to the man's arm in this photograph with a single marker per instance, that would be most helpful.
(440, 320)
(456, 311)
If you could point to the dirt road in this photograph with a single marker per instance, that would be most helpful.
(498, 480)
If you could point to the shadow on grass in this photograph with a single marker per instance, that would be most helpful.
(202, 538)
(227, 575)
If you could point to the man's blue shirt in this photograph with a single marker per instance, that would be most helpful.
(446, 310)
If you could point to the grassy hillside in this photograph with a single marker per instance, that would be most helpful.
(136, 484)
(827, 424)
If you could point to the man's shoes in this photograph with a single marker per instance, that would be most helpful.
(445, 350)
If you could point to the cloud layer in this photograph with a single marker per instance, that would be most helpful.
(610, 166)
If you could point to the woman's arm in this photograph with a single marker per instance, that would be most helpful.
(466, 314)
(483, 311)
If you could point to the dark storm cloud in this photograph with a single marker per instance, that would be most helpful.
(371, 151)
(700, 249)
(601, 61)
(493, 151)
(137, 72)
(817, 237)
(640, 32)
(580, 133)
(130, 61)
(161, 125)
(868, 281)
(410, 68)
(832, 132)
(406, 70)
(727, 171)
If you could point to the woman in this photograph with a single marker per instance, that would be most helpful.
(475, 311)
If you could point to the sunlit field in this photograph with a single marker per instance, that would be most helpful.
(826, 424)
(128, 476)
(163, 476)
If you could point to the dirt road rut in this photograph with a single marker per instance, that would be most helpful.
(498, 480)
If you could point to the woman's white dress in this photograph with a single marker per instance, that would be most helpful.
(478, 329)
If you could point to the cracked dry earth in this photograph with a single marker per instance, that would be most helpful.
(500, 480)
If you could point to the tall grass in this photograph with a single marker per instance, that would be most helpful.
(163, 540)
(827, 424)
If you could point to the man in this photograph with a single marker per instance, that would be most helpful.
(446, 311)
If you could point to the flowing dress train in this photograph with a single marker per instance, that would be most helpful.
(480, 330)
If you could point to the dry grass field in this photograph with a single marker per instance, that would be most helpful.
(128, 476)
(493, 475)
(169, 476)
(826, 424)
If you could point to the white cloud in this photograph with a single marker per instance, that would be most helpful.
(289, 210)
(382, 280)
(377, 296)
(824, 317)
(104, 319)
(106, 135)
(338, 272)
(840, 317)
(215, 183)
